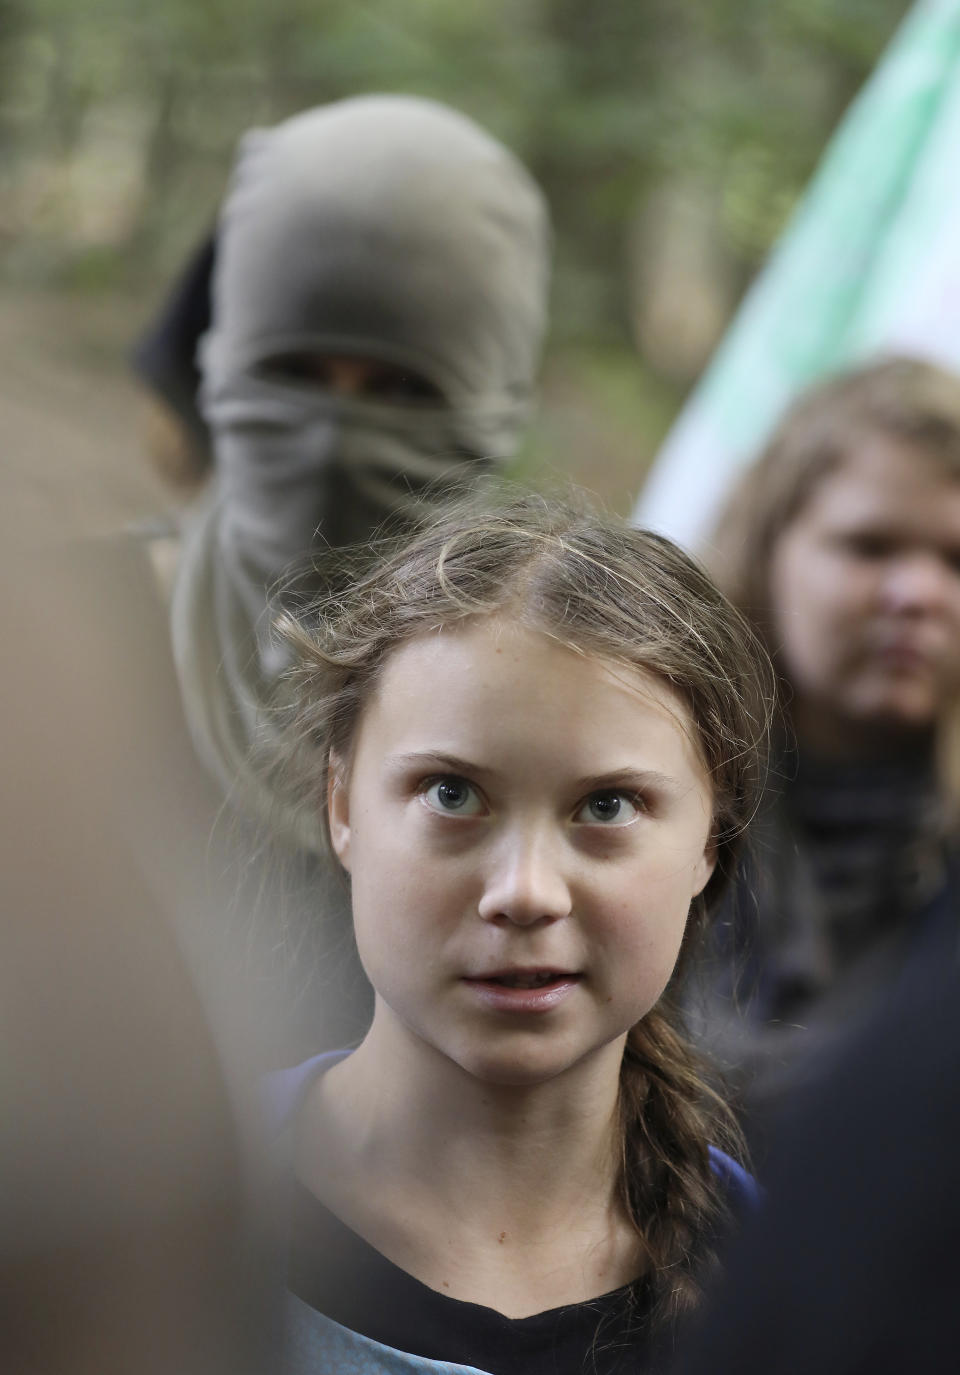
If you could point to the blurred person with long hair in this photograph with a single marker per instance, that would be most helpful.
(842, 545)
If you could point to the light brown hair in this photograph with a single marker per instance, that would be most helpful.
(629, 597)
(901, 398)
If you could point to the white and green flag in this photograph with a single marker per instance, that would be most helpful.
(869, 265)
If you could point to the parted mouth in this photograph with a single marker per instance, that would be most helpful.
(524, 978)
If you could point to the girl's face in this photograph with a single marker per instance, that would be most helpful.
(865, 595)
(525, 828)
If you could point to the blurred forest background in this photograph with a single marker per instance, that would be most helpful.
(672, 137)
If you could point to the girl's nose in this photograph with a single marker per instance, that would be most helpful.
(920, 583)
(526, 883)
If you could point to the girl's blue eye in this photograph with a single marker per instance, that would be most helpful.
(608, 809)
(454, 796)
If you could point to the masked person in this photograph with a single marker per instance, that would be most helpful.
(377, 301)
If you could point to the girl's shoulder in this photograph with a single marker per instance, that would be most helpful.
(282, 1090)
(742, 1190)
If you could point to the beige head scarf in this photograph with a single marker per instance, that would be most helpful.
(385, 228)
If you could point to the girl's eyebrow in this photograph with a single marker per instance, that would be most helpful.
(424, 758)
(637, 780)
(629, 780)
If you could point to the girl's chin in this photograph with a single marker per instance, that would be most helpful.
(520, 1058)
(513, 1075)
(529, 1068)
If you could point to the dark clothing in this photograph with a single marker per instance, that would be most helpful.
(165, 356)
(852, 1268)
(363, 1291)
(848, 867)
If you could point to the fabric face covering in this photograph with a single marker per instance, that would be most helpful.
(387, 229)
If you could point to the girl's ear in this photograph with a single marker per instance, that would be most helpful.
(703, 868)
(338, 810)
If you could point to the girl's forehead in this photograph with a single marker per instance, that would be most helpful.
(516, 666)
(496, 642)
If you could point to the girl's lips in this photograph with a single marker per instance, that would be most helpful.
(909, 643)
(905, 656)
(527, 997)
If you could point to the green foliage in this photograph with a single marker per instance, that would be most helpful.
(605, 101)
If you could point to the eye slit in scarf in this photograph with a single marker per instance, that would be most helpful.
(351, 376)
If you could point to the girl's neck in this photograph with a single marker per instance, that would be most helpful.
(498, 1194)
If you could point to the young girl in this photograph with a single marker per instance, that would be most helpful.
(534, 736)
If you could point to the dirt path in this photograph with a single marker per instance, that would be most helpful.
(70, 415)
